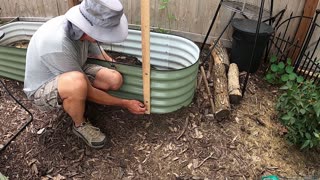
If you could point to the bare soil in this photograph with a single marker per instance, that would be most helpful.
(124, 58)
(186, 144)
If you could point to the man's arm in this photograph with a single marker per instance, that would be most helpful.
(102, 97)
(95, 52)
(104, 56)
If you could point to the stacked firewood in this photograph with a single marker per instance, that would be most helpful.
(226, 85)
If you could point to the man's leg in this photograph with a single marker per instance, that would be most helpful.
(73, 89)
(103, 78)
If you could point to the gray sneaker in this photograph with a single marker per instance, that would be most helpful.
(90, 134)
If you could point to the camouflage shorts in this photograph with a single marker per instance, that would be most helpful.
(47, 97)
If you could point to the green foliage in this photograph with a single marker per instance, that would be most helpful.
(280, 72)
(2, 177)
(299, 110)
(160, 30)
(164, 6)
(298, 106)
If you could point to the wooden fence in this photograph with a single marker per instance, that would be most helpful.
(189, 18)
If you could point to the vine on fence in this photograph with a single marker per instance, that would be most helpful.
(164, 6)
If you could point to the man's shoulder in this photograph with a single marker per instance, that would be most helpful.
(52, 28)
(56, 21)
(51, 36)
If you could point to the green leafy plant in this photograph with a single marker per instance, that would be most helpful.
(160, 30)
(299, 110)
(298, 106)
(281, 72)
(164, 6)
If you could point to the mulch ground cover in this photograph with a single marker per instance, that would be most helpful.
(186, 144)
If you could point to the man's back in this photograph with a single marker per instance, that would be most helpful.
(50, 53)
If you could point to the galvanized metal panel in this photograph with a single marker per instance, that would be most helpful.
(18, 31)
(173, 76)
(12, 62)
(170, 89)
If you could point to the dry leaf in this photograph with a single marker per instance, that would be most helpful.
(198, 134)
(140, 171)
(59, 177)
(195, 163)
(41, 131)
(34, 168)
(176, 158)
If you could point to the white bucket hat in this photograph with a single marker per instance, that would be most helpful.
(103, 20)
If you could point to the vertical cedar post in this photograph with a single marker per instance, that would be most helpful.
(145, 30)
(310, 7)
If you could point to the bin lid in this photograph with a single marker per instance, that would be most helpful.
(249, 26)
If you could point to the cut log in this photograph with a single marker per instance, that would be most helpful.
(222, 53)
(234, 84)
(220, 88)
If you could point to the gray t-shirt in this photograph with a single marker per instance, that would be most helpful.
(52, 52)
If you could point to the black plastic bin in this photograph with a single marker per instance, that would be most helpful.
(243, 43)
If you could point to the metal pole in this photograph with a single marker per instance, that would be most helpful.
(216, 41)
(271, 13)
(270, 23)
(212, 23)
(254, 46)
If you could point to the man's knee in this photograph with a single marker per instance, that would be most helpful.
(116, 81)
(73, 82)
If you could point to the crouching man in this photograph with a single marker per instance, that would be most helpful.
(57, 75)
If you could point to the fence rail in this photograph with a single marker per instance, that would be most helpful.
(189, 18)
(285, 46)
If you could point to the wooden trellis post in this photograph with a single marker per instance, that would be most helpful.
(145, 38)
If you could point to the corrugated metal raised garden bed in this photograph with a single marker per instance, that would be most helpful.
(174, 63)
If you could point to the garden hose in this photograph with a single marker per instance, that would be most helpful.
(3, 147)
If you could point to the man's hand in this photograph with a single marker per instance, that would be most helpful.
(105, 56)
(135, 107)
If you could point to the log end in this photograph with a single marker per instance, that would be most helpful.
(223, 113)
(235, 98)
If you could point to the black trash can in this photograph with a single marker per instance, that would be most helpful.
(243, 43)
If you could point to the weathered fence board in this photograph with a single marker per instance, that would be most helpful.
(190, 18)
